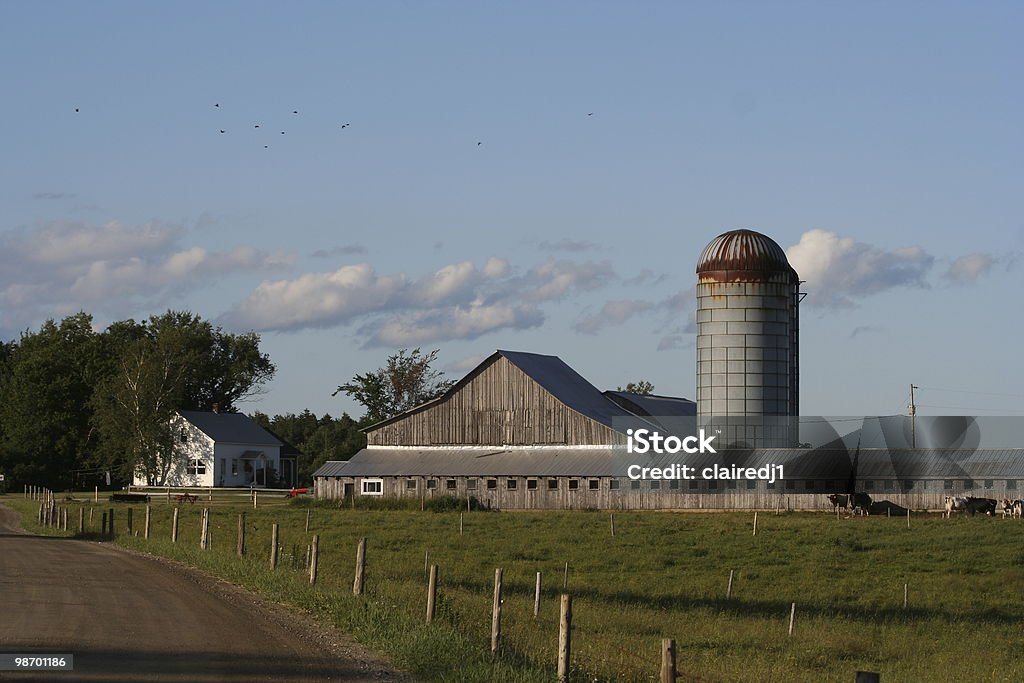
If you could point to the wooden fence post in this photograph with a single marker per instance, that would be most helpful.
(145, 532)
(906, 595)
(908, 518)
(241, 535)
(792, 618)
(359, 584)
(91, 510)
(110, 522)
(81, 520)
(460, 523)
(174, 526)
(564, 638)
(565, 578)
(64, 519)
(96, 495)
(668, 660)
(536, 598)
(496, 614)
(728, 591)
(130, 522)
(104, 524)
(611, 517)
(273, 546)
(755, 523)
(307, 520)
(432, 593)
(314, 553)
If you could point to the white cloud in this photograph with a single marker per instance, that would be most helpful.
(460, 322)
(839, 270)
(966, 269)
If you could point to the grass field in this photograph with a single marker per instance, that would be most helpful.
(662, 575)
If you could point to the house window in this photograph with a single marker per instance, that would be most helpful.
(234, 466)
(511, 484)
(574, 484)
(450, 484)
(594, 484)
(655, 484)
(492, 484)
(196, 466)
(223, 467)
(613, 484)
(410, 484)
(552, 484)
(531, 484)
(471, 484)
(431, 484)
(373, 487)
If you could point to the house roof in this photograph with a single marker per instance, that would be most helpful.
(652, 405)
(230, 428)
(871, 463)
(556, 377)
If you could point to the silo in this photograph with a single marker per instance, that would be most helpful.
(748, 341)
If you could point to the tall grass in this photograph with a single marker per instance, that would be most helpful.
(661, 575)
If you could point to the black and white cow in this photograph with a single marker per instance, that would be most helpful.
(860, 501)
(838, 500)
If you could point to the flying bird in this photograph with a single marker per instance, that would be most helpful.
(222, 131)
(256, 126)
(479, 143)
(266, 146)
(590, 114)
(217, 105)
(345, 125)
(296, 111)
(282, 132)
(76, 110)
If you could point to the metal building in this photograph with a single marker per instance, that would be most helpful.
(748, 379)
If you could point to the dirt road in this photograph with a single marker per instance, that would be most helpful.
(127, 617)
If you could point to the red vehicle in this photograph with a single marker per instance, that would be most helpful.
(294, 493)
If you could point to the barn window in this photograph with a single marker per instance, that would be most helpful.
(634, 484)
(869, 485)
(594, 484)
(511, 484)
(531, 484)
(988, 483)
(830, 485)
(655, 485)
(373, 487)
(410, 484)
(751, 484)
(692, 484)
(712, 484)
(730, 484)
(790, 484)
(947, 484)
(450, 484)
(552, 484)
(574, 484)
(613, 484)
(922, 484)
(492, 484)
(471, 484)
(907, 485)
(673, 483)
(968, 484)
(809, 484)
(1011, 484)
(770, 485)
(887, 484)
(431, 484)
(196, 466)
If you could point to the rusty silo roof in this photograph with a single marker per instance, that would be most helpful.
(744, 251)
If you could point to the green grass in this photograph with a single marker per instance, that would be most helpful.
(662, 575)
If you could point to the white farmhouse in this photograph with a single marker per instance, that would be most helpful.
(225, 449)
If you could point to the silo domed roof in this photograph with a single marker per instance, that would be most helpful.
(746, 251)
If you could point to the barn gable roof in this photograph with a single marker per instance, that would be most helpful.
(558, 379)
(229, 427)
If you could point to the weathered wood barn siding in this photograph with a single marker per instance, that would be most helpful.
(500, 405)
(804, 495)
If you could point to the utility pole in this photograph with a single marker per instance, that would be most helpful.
(912, 409)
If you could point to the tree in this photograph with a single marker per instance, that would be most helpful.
(174, 361)
(406, 380)
(642, 387)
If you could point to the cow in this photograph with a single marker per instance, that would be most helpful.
(1017, 508)
(838, 500)
(1009, 508)
(955, 504)
(860, 501)
(976, 505)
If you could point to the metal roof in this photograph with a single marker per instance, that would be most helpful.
(653, 406)
(745, 251)
(556, 377)
(230, 428)
(798, 463)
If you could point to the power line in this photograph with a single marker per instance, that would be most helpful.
(978, 393)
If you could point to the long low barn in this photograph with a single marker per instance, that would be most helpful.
(524, 430)
(595, 478)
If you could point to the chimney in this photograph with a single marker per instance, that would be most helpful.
(216, 407)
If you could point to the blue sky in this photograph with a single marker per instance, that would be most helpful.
(530, 176)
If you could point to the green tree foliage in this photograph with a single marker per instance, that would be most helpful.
(75, 398)
(406, 380)
(641, 387)
(317, 439)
